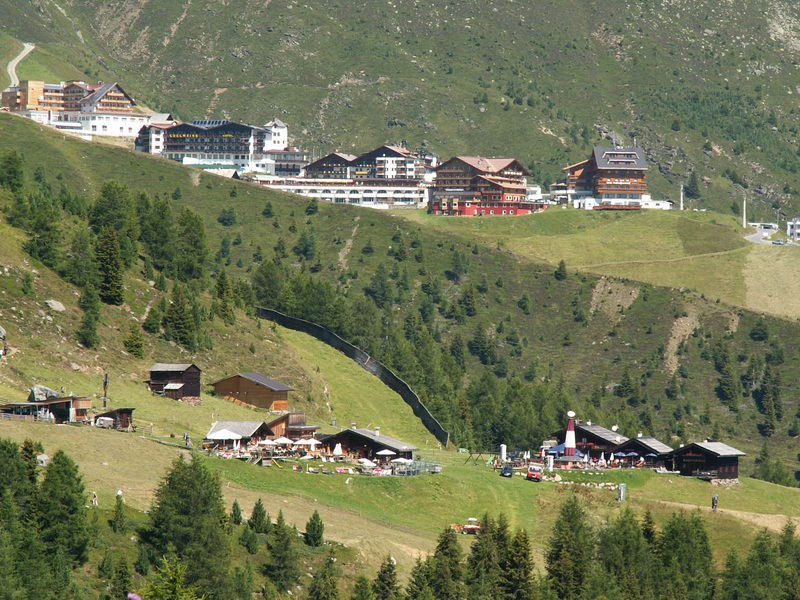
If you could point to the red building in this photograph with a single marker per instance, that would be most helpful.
(476, 186)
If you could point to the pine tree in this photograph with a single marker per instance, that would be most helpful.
(314, 531)
(188, 518)
(483, 568)
(733, 585)
(110, 266)
(283, 566)
(259, 520)
(62, 509)
(692, 187)
(236, 513)
(267, 212)
(142, 564)
(106, 567)
(134, 342)
(152, 322)
(11, 172)
(191, 250)
(323, 584)
(312, 207)
(170, 582)
(79, 267)
(447, 568)
(115, 209)
(122, 580)
(419, 586)
(649, 527)
(363, 590)
(10, 588)
(268, 282)
(569, 550)
(561, 272)
(625, 556)
(243, 583)
(385, 586)
(684, 552)
(516, 570)
(224, 294)
(90, 304)
(179, 320)
(249, 539)
(728, 384)
(117, 522)
(161, 282)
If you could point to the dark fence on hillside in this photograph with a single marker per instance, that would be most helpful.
(381, 371)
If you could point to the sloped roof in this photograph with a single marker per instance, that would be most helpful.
(258, 378)
(487, 165)
(275, 123)
(601, 432)
(102, 90)
(716, 448)
(172, 367)
(340, 155)
(245, 429)
(620, 158)
(657, 446)
(504, 182)
(384, 440)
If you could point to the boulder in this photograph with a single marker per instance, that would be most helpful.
(55, 305)
(2, 333)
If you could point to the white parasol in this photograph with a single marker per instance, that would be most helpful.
(266, 443)
(402, 461)
(337, 450)
(366, 462)
(386, 452)
(306, 457)
(283, 441)
(224, 434)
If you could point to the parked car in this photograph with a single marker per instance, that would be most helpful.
(779, 242)
(507, 471)
(534, 473)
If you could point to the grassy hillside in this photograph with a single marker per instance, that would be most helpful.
(616, 326)
(703, 87)
(705, 252)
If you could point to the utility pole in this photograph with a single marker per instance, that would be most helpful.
(744, 212)
(681, 196)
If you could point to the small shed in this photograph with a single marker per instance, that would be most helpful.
(708, 460)
(653, 451)
(254, 389)
(122, 417)
(184, 377)
(367, 443)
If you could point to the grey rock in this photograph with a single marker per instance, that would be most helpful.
(55, 305)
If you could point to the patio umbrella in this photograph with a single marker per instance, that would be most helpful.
(651, 455)
(266, 443)
(402, 461)
(303, 442)
(337, 450)
(306, 457)
(632, 454)
(313, 442)
(620, 455)
(366, 462)
(224, 434)
(283, 441)
(386, 452)
(602, 457)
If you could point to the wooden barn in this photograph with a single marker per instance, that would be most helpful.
(254, 389)
(367, 443)
(653, 451)
(707, 460)
(175, 380)
(122, 417)
(593, 438)
(292, 425)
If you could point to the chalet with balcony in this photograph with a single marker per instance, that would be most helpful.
(654, 452)
(336, 165)
(292, 425)
(610, 179)
(50, 406)
(477, 186)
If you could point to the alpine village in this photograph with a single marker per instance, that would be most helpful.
(445, 301)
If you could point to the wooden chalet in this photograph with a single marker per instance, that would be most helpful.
(292, 425)
(476, 186)
(122, 417)
(593, 438)
(614, 178)
(335, 165)
(366, 443)
(707, 460)
(388, 162)
(653, 451)
(175, 381)
(254, 389)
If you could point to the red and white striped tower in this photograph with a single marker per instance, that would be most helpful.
(569, 439)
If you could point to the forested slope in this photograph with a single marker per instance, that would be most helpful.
(498, 346)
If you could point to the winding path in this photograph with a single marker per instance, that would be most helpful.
(12, 64)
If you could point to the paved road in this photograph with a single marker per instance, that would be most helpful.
(761, 236)
(12, 65)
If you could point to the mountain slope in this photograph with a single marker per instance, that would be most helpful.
(703, 86)
(585, 336)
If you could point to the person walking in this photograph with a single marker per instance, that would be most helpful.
(714, 502)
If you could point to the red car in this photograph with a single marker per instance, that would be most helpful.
(534, 473)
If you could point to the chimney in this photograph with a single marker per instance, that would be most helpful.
(353, 425)
(638, 435)
(614, 427)
(681, 446)
(377, 432)
(589, 423)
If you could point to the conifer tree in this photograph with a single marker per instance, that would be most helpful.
(268, 283)
(179, 321)
(685, 555)
(142, 564)
(115, 209)
(90, 304)
(385, 586)
(312, 207)
(134, 342)
(259, 520)
(170, 582)
(106, 567)
(10, 588)
(122, 580)
(188, 518)
(516, 570)
(362, 590)
(569, 550)
(152, 322)
(728, 385)
(80, 267)
(323, 584)
(483, 568)
(447, 568)
(561, 272)
(249, 539)
(283, 566)
(224, 294)
(649, 527)
(191, 250)
(236, 513)
(625, 555)
(110, 267)
(62, 509)
(733, 586)
(419, 586)
(267, 212)
(314, 530)
(692, 187)
(12, 175)
(118, 523)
